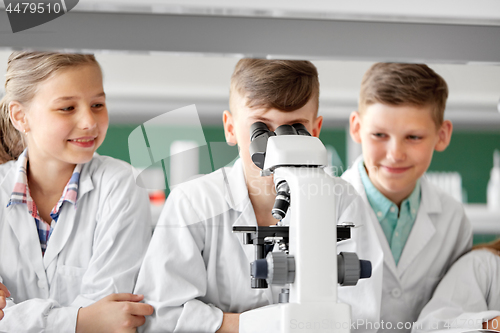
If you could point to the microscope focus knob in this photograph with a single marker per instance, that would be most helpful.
(366, 269)
(350, 269)
(277, 268)
(258, 269)
(281, 268)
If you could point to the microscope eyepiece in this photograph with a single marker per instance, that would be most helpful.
(301, 129)
(259, 133)
(285, 130)
(257, 129)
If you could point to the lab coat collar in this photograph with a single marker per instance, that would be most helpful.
(9, 180)
(236, 192)
(353, 176)
(86, 183)
(67, 220)
(26, 232)
(423, 229)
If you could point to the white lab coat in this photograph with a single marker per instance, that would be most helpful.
(440, 235)
(94, 250)
(467, 296)
(196, 268)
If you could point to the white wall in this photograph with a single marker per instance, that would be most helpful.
(141, 86)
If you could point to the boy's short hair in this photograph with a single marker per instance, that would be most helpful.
(285, 85)
(404, 84)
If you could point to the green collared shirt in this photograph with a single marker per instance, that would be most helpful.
(395, 224)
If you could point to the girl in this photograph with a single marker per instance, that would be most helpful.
(468, 297)
(73, 225)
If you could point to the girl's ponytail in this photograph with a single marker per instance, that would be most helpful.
(12, 141)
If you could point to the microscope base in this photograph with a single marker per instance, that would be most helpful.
(293, 317)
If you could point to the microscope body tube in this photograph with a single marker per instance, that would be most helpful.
(313, 234)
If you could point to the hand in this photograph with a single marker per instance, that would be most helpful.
(4, 292)
(230, 323)
(492, 324)
(116, 313)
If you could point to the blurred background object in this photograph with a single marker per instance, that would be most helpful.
(449, 182)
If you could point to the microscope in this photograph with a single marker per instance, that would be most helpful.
(305, 259)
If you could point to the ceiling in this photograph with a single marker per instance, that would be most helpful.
(449, 11)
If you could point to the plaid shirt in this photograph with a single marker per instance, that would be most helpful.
(21, 195)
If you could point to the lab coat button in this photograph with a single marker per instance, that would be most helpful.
(396, 293)
(393, 209)
(41, 284)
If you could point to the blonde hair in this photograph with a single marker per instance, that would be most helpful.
(286, 85)
(404, 84)
(25, 70)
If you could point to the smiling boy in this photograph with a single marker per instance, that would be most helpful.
(196, 273)
(419, 229)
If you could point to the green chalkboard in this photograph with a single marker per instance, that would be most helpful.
(469, 153)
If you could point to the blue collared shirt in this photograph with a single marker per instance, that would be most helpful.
(396, 224)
